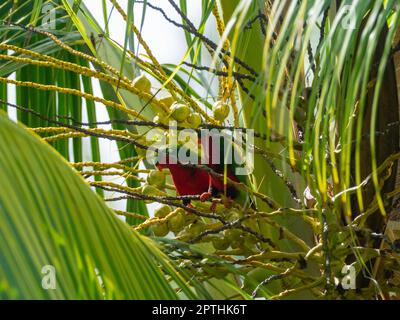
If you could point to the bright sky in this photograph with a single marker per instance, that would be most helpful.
(164, 39)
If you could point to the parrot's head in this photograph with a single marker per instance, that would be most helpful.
(167, 157)
(177, 155)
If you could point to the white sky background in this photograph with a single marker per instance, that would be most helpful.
(165, 40)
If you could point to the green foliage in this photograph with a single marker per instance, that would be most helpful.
(314, 79)
(49, 216)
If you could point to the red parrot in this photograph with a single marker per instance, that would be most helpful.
(191, 181)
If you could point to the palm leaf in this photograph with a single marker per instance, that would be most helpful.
(49, 216)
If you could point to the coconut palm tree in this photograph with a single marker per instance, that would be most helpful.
(315, 82)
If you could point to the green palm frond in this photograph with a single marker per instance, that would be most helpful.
(49, 216)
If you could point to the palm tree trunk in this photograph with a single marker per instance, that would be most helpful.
(397, 63)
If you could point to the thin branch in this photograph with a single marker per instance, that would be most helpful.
(236, 75)
(263, 22)
(273, 278)
(325, 247)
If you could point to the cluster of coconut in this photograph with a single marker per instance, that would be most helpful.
(187, 226)
(183, 115)
(155, 184)
(179, 112)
